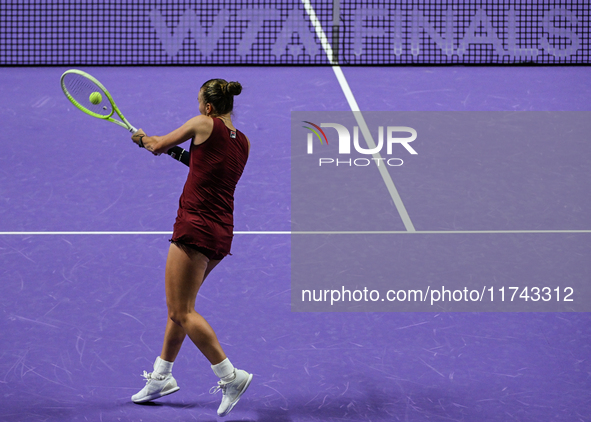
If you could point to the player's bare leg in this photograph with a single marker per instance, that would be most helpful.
(184, 276)
(175, 334)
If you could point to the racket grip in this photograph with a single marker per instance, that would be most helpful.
(180, 154)
(132, 129)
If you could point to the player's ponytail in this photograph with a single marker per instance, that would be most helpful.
(220, 94)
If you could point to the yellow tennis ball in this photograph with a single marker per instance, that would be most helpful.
(96, 98)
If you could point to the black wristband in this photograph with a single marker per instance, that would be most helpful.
(140, 142)
(180, 154)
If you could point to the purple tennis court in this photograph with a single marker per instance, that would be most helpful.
(84, 313)
(86, 217)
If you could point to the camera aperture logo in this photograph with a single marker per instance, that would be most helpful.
(391, 139)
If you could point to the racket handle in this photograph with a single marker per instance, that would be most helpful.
(180, 154)
(132, 129)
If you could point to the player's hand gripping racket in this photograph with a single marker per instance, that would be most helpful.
(91, 97)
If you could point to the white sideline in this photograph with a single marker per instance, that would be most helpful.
(279, 232)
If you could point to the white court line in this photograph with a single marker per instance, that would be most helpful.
(121, 233)
(444, 232)
(142, 233)
(359, 117)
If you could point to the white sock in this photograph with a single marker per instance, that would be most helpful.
(224, 370)
(162, 367)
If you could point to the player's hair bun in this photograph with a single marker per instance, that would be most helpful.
(234, 88)
(220, 94)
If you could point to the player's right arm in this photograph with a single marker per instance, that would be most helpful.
(198, 128)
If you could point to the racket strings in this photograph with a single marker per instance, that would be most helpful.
(80, 89)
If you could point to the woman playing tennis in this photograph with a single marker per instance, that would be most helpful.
(202, 237)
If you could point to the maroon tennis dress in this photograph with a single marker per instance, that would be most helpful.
(205, 219)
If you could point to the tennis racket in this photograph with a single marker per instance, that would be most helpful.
(91, 97)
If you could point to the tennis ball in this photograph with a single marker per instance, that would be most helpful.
(96, 98)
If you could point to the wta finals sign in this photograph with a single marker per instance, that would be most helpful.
(405, 35)
(367, 32)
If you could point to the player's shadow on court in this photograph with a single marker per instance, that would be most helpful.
(172, 404)
(333, 408)
(187, 406)
(362, 401)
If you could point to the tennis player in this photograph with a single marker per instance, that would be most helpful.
(202, 237)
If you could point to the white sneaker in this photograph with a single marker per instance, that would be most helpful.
(232, 391)
(157, 386)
